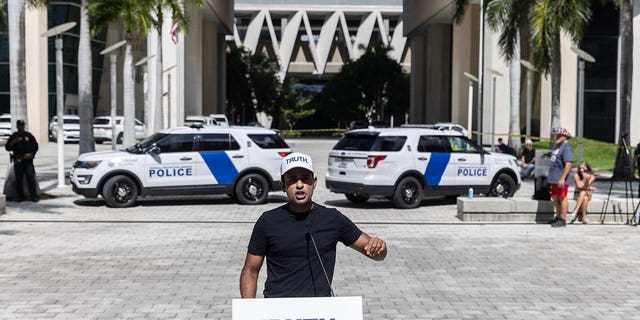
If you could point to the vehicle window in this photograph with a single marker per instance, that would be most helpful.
(462, 145)
(138, 123)
(7, 119)
(357, 141)
(432, 144)
(76, 121)
(118, 121)
(176, 143)
(389, 143)
(268, 141)
(218, 141)
(101, 121)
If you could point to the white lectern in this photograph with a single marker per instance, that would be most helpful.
(338, 308)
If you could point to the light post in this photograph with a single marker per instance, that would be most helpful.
(472, 79)
(530, 70)
(145, 87)
(114, 99)
(494, 75)
(582, 57)
(57, 32)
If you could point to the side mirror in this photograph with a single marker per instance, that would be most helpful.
(154, 149)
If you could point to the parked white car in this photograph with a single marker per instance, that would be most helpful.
(70, 128)
(243, 162)
(102, 129)
(199, 120)
(407, 164)
(220, 119)
(5, 126)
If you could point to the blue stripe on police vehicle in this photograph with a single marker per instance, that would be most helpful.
(435, 168)
(220, 165)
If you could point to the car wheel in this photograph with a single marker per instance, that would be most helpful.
(503, 186)
(356, 198)
(252, 189)
(120, 192)
(119, 138)
(408, 193)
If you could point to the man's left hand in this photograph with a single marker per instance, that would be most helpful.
(375, 248)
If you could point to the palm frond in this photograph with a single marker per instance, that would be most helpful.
(459, 10)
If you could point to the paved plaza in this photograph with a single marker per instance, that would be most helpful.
(72, 258)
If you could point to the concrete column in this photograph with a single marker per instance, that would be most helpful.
(418, 63)
(464, 59)
(221, 106)
(209, 67)
(37, 67)
(634, 136)
(192, 63)
(437, 92)
(568, 85)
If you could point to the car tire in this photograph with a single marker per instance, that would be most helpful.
(503, 186)
(120, 192)
(119, 138)
(252, 189)
(408, 193)
(356, 198)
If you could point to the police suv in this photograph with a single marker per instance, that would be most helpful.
(243, 162)
(407, 164)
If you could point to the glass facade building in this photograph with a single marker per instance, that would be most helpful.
(58, 13)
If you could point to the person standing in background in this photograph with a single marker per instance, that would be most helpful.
(561, 160)
(24, 147)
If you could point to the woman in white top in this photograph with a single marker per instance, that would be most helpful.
(583, 179)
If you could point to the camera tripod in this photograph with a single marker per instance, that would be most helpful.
(622, 155)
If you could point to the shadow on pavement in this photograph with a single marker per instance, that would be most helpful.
(173, 201)
(387, 204)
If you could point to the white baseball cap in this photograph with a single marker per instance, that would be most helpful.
(296, 160)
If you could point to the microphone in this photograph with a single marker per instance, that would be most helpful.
(309, 236)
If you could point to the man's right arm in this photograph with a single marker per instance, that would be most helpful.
(249, 275)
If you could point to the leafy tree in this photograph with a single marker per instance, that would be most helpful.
(291, 105)
(372, 85)
(252, 85)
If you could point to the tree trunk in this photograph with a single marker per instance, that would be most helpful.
(623, 169)
(128, 98)
(514, 88)
(85, 90)
(556, 73)
(17, 73)
(159, 114)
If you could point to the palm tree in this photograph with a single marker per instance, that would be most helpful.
(136, 17)
(17, 73)
(545, 18)
(175, 9)
(85, 80)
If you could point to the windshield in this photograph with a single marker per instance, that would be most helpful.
(144, 145)
(370, 142)
(101, 121)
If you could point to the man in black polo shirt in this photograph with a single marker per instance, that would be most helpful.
(292, 237)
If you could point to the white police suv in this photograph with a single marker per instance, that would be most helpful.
(407, 164)
(243, 162)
